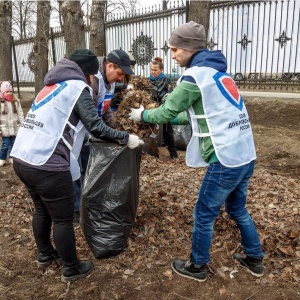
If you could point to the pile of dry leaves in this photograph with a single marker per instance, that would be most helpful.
(162, 232)
(168, 194)
(140, 94)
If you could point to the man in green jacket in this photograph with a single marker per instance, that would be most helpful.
(222, 140)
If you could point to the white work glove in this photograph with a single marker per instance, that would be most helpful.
(134, 141)
(136, 114)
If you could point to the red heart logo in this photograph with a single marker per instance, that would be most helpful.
(45, 92)
(231, 88)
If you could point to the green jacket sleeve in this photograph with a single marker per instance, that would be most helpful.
(181, 119)
(182, 97)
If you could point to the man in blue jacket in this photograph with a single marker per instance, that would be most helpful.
(222, 140)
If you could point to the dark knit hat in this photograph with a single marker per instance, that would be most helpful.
(120, 58)
(86, 60)
(189, 36)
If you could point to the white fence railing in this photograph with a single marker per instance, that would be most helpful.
(261, 39)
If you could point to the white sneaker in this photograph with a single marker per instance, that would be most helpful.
(2, 162)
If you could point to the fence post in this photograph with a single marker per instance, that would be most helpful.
(187, 8)
(16, 66)
(53, 47)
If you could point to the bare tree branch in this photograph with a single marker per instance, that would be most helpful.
(24, 18)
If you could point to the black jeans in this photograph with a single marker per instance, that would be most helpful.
(52, 194)
(168, 135)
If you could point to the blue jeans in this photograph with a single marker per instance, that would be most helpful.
(223, 185)
(7, 144)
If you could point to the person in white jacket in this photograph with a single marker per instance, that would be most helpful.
(11, 117)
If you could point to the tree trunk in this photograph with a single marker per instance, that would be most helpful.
(41, 43)
(97, 28)
(5, 41)
(74, 32)
(199, 12)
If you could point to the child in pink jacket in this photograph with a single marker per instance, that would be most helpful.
(11, 117)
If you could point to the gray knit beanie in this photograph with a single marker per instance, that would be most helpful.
(189, 36)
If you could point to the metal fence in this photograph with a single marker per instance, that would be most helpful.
(24, 61)
(260, 40)
(146, 36)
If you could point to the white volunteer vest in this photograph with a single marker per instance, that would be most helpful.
(104, 96)
(227, 120)
(45, 122)
(79, 133)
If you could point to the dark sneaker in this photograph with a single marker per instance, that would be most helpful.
(190, 270)
(46, 260)
(76, 218)
(83, 269)
(254, 265)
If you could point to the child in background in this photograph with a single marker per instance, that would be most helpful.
(11, 117)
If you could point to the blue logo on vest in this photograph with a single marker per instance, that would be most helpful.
(228, 89)
(47, 94)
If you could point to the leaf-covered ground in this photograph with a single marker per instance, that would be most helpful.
(162, 232)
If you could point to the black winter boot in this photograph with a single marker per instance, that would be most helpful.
(254, 265)
(45, 260)
(83, 269)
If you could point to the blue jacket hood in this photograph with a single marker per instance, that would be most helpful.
(205, 58)
(65, 69)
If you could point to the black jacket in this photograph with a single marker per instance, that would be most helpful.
(161, 87)
(84, 110)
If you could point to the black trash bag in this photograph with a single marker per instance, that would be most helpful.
(109, 198)
(152, 143)
(151, 146)
(182, 136)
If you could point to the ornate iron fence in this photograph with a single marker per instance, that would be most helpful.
(259, 38)
(146, 36)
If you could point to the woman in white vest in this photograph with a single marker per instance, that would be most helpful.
(222, 140)
(45, 156)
